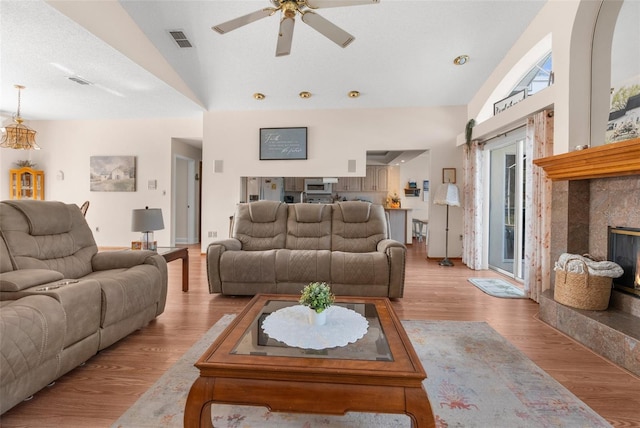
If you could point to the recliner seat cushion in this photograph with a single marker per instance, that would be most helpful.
(359, 268)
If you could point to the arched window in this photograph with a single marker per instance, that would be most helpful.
(539, 77)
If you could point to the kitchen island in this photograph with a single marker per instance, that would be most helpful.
(398, 224)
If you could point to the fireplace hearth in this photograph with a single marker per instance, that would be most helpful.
(624, 249)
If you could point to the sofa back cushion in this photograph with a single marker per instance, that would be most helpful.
(357, 226)
(309, 227)
(47, 235)
(6, 264)
(261, 225)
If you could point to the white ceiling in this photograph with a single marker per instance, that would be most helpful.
(402, 56)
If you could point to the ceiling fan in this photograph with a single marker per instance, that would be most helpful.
(289, 8)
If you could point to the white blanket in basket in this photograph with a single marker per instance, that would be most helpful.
(574, 263)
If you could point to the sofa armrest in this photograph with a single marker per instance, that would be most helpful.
(214, 252)
(385, 244)
(106, 260)
(396, 253)
(21, 279)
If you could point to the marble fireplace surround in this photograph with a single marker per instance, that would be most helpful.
(593, 189)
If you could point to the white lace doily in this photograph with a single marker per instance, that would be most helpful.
(291, 325)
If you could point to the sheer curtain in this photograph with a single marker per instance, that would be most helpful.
(539, 144)
(473, 201)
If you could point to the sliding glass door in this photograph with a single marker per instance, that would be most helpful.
(506, 204)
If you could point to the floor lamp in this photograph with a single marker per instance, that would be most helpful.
(447, 195)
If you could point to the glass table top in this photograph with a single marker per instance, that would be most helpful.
(372, 347)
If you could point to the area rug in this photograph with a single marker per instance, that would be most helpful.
(475, 379)
(497, 287)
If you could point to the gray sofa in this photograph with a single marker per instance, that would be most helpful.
(62, 301)
(279, 248)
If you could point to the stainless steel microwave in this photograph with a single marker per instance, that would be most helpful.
(316, 186)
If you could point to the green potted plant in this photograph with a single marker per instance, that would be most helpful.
(318, 297)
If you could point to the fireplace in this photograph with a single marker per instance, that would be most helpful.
(624, 249)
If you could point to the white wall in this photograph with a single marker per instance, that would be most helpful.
(67, 147)
(334, 138)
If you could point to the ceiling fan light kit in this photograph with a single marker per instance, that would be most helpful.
(289, 9)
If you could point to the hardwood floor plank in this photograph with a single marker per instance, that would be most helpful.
(97, 393)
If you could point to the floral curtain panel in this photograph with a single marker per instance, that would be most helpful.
(539, 144)
(474, 199)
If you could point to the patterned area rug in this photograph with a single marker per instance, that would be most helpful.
(475, 379)
(498, 288)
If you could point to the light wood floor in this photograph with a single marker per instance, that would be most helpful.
(96, 394)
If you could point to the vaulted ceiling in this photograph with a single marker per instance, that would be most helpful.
(117, 59)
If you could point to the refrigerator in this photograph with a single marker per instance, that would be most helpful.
(265, 188)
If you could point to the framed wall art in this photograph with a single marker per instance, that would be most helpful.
(283, 143)
(509, 102)
(112, 173)
(449, 175)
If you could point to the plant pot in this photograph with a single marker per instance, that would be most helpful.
(316, 318)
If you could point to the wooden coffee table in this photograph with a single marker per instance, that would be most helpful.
(380, 373)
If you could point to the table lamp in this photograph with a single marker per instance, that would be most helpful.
(147, 220)
(447, 195)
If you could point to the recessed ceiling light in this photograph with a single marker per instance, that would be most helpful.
(305, 94)
(258, 96)
(461, 60)
(354, 94)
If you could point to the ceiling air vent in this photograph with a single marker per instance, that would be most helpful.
(79, 80)
(181, 39)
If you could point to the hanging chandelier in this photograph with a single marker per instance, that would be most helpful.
(17, 135)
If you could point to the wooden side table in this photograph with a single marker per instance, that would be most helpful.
(174, 253)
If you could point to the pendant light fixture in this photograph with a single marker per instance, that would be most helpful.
(17, 135)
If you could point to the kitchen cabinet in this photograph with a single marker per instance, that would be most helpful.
(26, 183)
(352, 184)
(294, 184)
(376, 179)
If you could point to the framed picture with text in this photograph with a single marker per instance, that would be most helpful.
(283, 143)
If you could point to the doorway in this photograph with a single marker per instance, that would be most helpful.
(186, 201)
(506, 173)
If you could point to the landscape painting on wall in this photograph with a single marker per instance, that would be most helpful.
(113, 173)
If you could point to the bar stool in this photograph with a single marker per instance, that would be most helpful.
(418, 225)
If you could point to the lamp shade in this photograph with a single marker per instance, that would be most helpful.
(146, 220)
(447, 195)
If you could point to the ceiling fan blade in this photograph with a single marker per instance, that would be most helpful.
(285, 36)
(327, 29)
(320, 4)
(225, 27)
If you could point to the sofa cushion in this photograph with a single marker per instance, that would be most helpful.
(126, 292)
(261, 225)
(359, 268)
(51, 218)
(303, 266)
(309, 227)
(36, 245)
(6, 262)
(248, 266)
(357, 227)
(33, 330)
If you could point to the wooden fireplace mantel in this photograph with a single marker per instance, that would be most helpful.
(609, 160)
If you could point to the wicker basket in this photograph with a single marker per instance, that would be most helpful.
(581, 290)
